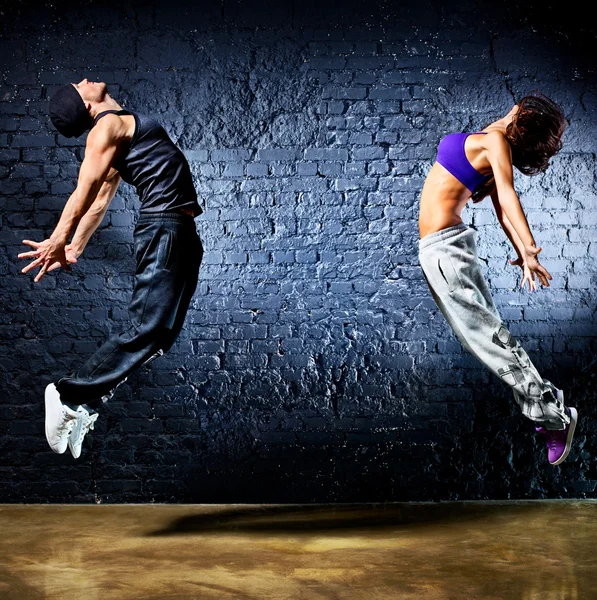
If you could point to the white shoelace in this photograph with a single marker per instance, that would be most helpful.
(67, 423)
(86, 427)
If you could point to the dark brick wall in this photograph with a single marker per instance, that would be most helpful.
(314, 366)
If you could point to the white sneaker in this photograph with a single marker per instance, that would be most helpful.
(83, 423)
(60, 420)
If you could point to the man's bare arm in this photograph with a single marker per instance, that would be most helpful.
(100, 151)
(94, 216)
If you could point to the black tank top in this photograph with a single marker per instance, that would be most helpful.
(155, 166)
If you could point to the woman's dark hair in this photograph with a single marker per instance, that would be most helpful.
(534, 136)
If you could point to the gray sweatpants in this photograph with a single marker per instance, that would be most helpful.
(451, 267)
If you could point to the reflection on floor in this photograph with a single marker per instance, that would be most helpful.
(519, 550)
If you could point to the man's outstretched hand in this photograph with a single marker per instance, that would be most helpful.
(48, 255)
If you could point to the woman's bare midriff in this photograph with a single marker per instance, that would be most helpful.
(442, 200)
(443, 196)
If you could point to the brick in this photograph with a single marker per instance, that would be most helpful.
(22, 140)
(327, 63)
(326, 154)
(283, 256)
(197, 155)
(235, 257)
(8, 156)
(277, 154)
(257, 170)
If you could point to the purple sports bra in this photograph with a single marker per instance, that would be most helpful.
(451, 155)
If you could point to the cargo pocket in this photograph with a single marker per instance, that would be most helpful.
(166, 252)
(448, 273)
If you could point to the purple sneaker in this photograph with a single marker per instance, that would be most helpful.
(559, 441)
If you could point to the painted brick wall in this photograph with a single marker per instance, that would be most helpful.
(314, 365)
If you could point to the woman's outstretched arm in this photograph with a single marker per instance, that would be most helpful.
(516, 243)
(499, 155)
(507, 226)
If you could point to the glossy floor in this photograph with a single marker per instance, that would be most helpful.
(533, 550)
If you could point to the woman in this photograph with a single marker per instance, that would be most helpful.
(473, 166)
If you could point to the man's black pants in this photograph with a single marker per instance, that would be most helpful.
(168, 253)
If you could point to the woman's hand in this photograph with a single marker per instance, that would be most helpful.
(527, 275)
(530, 267)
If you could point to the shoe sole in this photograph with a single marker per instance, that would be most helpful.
(48, 404)
(70, 445)
(73, 454)
(573, 421)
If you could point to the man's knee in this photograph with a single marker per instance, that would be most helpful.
(169, 338)
(164, 340)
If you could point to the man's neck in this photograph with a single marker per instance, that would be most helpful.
(107, 104)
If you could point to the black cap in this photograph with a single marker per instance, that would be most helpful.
(68, 112)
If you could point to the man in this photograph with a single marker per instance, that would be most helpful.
(168, 252)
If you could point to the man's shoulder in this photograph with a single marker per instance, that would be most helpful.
(110, 129)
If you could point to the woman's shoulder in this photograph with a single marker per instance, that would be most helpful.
(494, 139)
